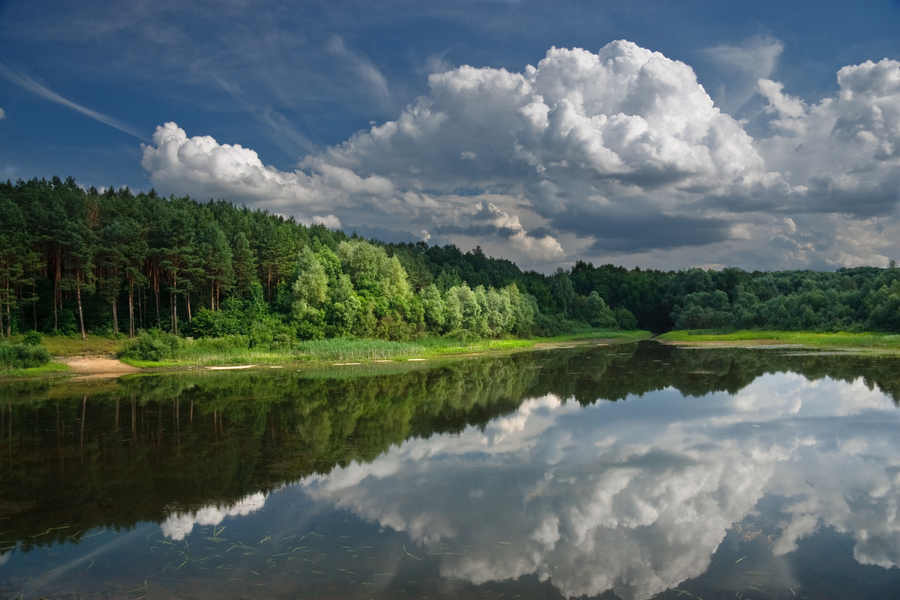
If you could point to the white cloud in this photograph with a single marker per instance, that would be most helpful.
(842, 154)
(619, 152)
(2, 114)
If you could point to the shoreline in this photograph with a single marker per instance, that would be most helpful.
(92, 365)
(103, 365)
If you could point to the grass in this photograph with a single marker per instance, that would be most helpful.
(340, 350)
(48, 369)
(221, 352)
(61, 346)
(841, 339)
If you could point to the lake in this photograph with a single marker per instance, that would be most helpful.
(618, 471)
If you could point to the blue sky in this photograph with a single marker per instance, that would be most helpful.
(764, 135)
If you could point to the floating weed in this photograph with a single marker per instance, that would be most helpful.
(83, 537)
(740, 559)
(751, 535)
(89, 566)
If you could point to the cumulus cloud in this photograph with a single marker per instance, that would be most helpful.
(620, 152)
(636, 497)
(2, 114)
(842, 154)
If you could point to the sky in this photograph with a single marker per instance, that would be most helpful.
(759, 135)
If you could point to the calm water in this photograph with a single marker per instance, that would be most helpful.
(616, 472)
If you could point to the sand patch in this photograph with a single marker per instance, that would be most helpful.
(97, 366)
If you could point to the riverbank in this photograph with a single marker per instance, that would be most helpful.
(876, 342)
(95, 356)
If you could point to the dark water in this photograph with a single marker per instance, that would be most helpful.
(626, 472)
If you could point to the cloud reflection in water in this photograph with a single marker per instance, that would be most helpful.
(636, 496)
(178, 525)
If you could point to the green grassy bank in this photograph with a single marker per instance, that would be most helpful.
(842, 339)
(234, 351)
(220, 352)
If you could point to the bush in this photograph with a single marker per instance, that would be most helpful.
(151, 345)
(23, 356)
(33, 338)
(550, 325)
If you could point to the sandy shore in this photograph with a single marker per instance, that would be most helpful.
(98, 366)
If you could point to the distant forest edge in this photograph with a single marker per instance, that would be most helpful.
(114, 263)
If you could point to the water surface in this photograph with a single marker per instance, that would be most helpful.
(628, 472)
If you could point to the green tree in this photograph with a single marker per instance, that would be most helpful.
(244, 262)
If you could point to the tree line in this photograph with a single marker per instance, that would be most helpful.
(74, 261)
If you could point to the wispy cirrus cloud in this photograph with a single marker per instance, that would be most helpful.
(363, 66)
(33, 86)
(743, 65)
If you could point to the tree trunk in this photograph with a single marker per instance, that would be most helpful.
(156, 291)
(115, 317)
(131, 310)
(174, 298)
(56, 292)
(80, 312)
(190, 320)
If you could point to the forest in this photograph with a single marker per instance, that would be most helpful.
(76, 261)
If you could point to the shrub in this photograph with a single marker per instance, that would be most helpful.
(150, 345)
(33, 338)
(23, 356)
